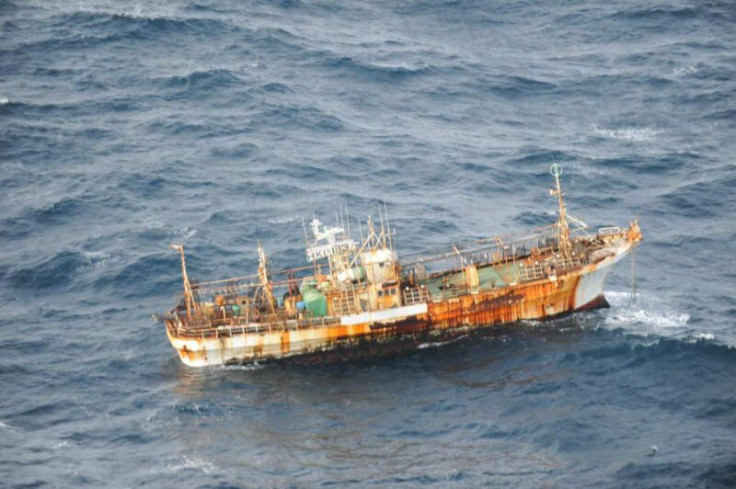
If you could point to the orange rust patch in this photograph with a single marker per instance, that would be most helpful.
(258, 349)
(334, 333)
(533, 301)
(186, 352)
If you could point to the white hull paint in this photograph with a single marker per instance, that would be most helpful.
(593, 277)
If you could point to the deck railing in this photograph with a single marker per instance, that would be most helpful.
(415, 295)
(346, 299)
(552, 266)
(242, 328)
(609, 231)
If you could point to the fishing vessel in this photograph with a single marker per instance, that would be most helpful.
(357, 298)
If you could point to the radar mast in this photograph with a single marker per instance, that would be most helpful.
(563, 229)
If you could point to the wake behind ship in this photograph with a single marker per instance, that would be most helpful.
(357, 299)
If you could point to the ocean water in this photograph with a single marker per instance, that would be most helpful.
(125, 126)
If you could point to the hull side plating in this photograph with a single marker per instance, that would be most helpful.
(349, 337)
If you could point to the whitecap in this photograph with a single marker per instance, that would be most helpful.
(96, 259)
(185, 233)
(655, 319)
(686, 70)
(650, 315)
(7, 427)
(193, 463)
(283, 220)
(247, 368)
(4, 101)
(618, 297)
(153, 221)
(435, 344)
(633, 133)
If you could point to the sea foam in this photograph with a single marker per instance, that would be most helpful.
(634, 134)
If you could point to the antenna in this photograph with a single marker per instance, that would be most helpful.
(306, 244)
(304, 228)
(347, 215)
(265, 276)
(563, 229)
(189, 301)
(380, 218)
(388, 225)
(371, 232)
(342, 220)
(253, 209)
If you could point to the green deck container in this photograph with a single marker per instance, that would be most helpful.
(314, 301)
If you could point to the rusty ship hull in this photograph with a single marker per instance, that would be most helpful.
(398, 329)
(363, 301)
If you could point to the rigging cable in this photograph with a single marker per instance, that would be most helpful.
(632, 297)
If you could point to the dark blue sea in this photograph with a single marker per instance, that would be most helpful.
(128, 125)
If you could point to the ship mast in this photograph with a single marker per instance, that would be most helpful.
(563, 229)
(189, 301)
(264, 275)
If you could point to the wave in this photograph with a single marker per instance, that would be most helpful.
(57, 212)
(184, 233)
(728, 115)
(237, 151)
(652, 316)
(534, 219)
(127, 23)
(632, 133)
(519, 86)
(275, 87)
(656, 164)
(697, 200)
(372, 71)
(242, 368)
(192, 464)
(84, 30)
(661, 13)
(652, 321)
(292, 116)
(619, 84)
(276, 41)
(690, 69)
(437, 344)
(59, 270)
(533, 156)
(284, 220)
(145, 276)
(203, 80)
(93, 260)
(201, 129)
(458, 11)
(684, 354)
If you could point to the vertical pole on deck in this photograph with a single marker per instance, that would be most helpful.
(563, 229)
(188, 294)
